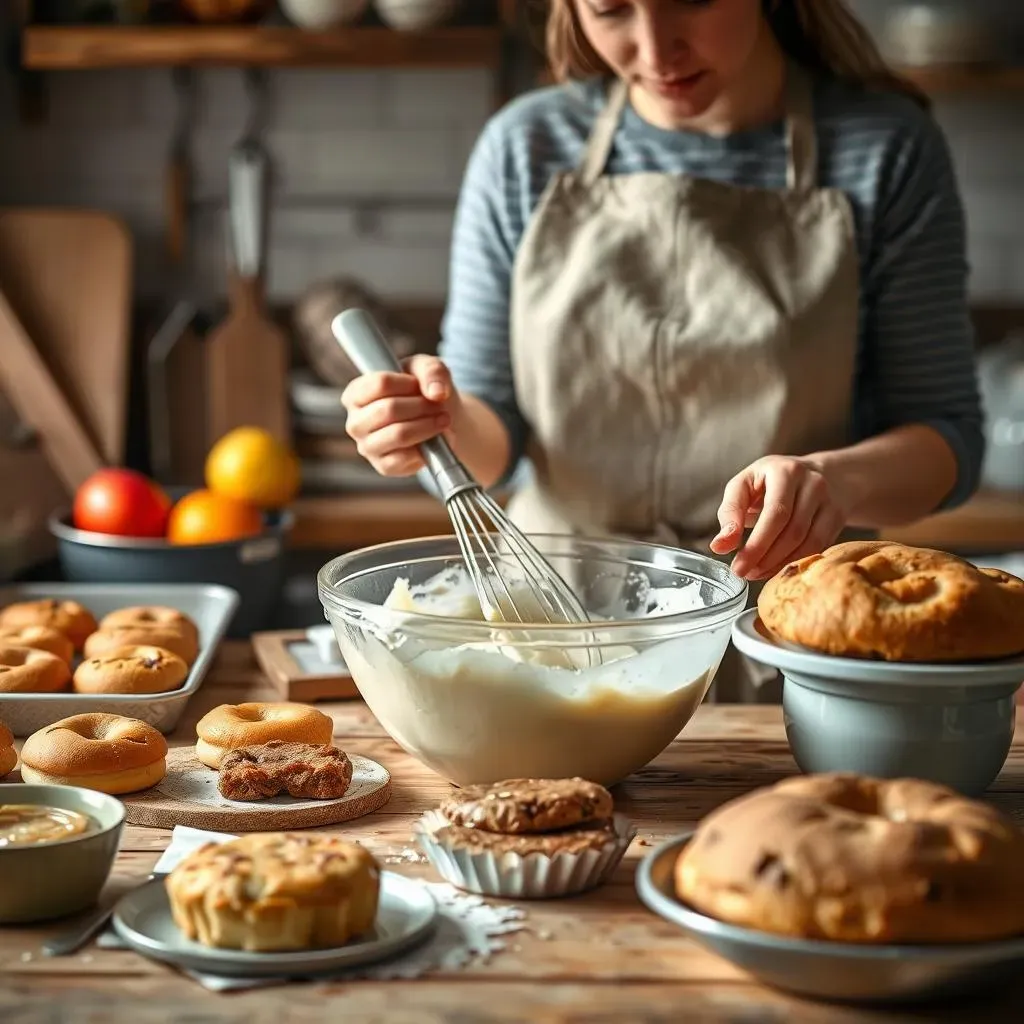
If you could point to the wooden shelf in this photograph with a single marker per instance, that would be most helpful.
(943, 80)
(80, 48)
(989, 523)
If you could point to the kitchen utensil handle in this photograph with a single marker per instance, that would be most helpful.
(358, 334)
(246, 183)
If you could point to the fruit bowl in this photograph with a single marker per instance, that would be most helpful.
(477, 701)
(253, 566)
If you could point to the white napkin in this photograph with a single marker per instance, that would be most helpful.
(467, 930)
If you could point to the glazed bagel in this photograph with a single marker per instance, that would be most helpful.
(108, 753)
(75, 621)
(29, 670)
(171, 638)
(152, 615)
(230, 726)
(856, 859)
(137, 668)
(8, 755)
(874, 599)
(42, 638)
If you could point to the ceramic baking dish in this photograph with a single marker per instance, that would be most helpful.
(210, 606)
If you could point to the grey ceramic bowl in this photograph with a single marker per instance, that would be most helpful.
(51, 880)
(950, 724)
(835, 971)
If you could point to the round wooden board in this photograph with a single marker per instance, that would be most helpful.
(188, 795)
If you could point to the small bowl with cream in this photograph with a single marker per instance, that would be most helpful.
(479, 701)
(57, 847)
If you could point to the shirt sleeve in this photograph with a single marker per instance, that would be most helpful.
(921, 365)
(475, 341)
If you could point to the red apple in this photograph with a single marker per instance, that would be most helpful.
(121, 502)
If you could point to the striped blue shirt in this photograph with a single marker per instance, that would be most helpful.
(915, 362)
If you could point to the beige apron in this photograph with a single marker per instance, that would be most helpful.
(667, 331)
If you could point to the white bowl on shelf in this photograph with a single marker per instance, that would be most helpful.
(415, 15)
(318, 15)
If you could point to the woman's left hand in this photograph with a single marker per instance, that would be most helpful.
(791, 509)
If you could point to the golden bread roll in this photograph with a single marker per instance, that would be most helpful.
(230, 726)
(152, 615)
(107, 639)
(855, 859)
(42, 638)
(138, 668)
(72, 619)
(276, 891)
(875, 599)
(108, 753)
(30, 670)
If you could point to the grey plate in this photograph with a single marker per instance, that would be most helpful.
(406, 916)
(751, 638)
(835, 971)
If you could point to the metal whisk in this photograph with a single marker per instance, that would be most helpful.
(481, 526)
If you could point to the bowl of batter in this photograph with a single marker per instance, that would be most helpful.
(478, 701)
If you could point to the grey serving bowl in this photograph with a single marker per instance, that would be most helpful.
(832, 971)
(46, 881)
(947, 723)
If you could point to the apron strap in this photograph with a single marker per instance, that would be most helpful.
(801, 137)
(599, 145)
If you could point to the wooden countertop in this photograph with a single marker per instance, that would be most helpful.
(601, 955)
(989, 523)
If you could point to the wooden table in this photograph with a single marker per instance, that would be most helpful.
(598, 957)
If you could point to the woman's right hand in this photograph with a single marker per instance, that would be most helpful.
(390, 414)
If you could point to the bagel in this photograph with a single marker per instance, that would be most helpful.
(139, 668)
(72, 619)
(42, 638)
(152, 615)
(29, 670)
(857, 859)
(108, 638)
(874, 599)
(231, 726)
(108, 753)
(8, 755)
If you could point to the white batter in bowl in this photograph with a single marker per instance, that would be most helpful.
(479, 701)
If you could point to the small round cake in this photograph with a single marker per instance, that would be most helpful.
(230, 726)
(139, 668)
(30, 670)
(276, 891)
(42, 638)
(851, 858)
(72, 619)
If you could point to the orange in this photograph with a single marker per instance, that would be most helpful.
(252, 465)
(205, 517)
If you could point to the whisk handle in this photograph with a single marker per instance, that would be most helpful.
(363, 342)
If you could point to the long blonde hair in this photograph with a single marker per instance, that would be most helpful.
(823, 35)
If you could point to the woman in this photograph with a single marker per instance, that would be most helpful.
(713, 282)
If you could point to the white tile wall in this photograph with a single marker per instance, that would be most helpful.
(367, 166)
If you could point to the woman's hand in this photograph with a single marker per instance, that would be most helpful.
(791, 508)
(390, 414)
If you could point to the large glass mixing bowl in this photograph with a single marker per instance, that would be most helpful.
(479, 701)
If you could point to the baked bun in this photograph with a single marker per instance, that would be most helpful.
(856, 859)
(275, 891)
(108, 753)
(109, 638)
(230, 726)
(29, 670)
(41, 638)
(75, 621)
(152, 615)
(8, 755)
(135, 669)
(874, 599)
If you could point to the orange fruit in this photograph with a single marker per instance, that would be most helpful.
(252, 465)
(205, 517)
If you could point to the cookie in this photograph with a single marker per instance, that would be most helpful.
(518, 806)
(577, 839)
(305, 771)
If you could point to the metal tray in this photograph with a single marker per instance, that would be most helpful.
(209, 605)
(831, 971)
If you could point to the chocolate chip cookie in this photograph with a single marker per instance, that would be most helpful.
(528, 806)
